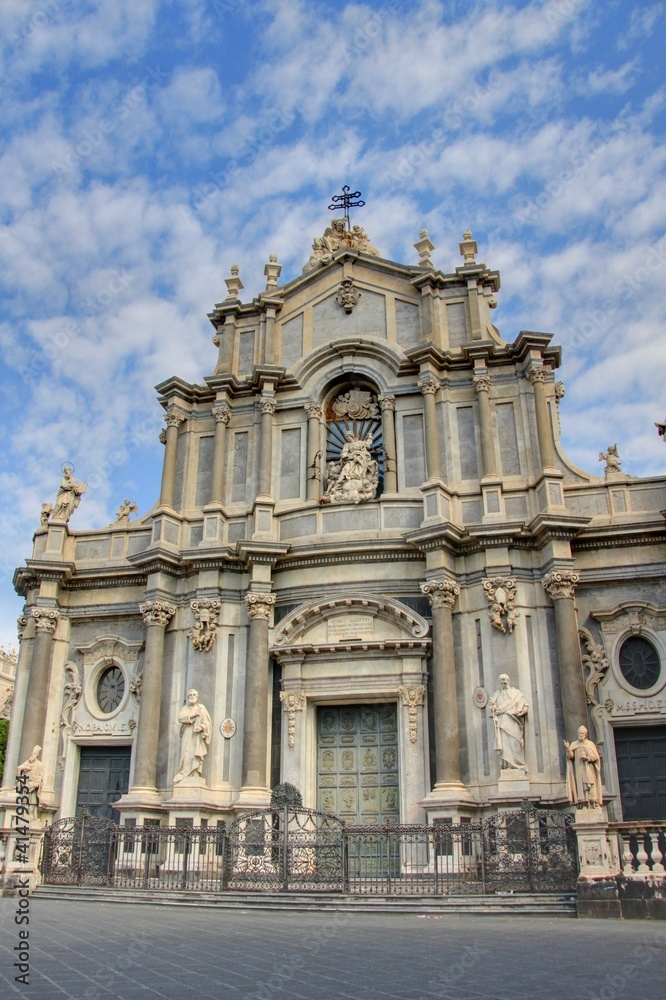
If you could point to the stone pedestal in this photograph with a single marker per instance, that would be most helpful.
(597, 888)
(513, 787)
(191, 794)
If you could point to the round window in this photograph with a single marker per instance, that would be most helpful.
(639, 663)
(110, 689)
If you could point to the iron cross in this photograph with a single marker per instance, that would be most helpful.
(346, 201)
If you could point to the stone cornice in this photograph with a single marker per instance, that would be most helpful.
(266, 553)
(37, 570)
(372, 647)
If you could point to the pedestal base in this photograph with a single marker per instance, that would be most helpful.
(253, 798)
(448, 799)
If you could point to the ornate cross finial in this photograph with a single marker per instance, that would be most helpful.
(346, 201)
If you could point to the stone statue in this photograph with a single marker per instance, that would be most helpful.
(362, 242)
(347, 295)
(195, 733)
(69, 496)
(335, 238)
(355, 476)
(126, 508)
(583, 772)
(32, 770)
(508, 709)
(47, 510)
(611, 458)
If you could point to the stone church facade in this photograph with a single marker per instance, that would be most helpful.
(365, 518)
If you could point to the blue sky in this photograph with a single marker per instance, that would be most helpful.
(150, 144)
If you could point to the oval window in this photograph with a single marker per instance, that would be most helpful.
(639, 663)
(110, 689)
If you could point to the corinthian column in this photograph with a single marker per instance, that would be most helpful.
(442, 595)
(156, 616)
(222, 415)
(267, 407)
(173, 421)
(315, 415)
(429, 385)
(255, 729)
(386, 401)
(488, 456)
(560, 586)
(537, 376)
(46, 622)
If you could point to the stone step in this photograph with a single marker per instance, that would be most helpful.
(524, 904)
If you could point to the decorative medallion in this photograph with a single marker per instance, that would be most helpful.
(228, 728)
(347, 295)
(480, 697)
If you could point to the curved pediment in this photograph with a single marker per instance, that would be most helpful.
(351, 618)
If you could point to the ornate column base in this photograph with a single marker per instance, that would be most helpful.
(448, 799)
(253, 797)
(193, 793)
(144, 803)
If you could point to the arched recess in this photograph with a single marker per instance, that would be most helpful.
(348, 357)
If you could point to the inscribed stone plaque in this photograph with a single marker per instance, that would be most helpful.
(343, 628)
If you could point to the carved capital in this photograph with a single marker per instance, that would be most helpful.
(46, 619)
(173, 417)
(259, 605)
(561, 583)
(267, 405)
(222, 413)
(386, 401)
(441, 593)
(428, 384)
(537, 373)
(203, 632)
(157, 612)
(481, 383)
(21, 623)
(314, 411)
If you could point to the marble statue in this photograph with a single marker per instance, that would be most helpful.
(583, 772)
(195, 733)
(69, 496)
(126, 508)
(32, 771)
(335, 238)
(508, 709)
(355, 476)
(611, 458)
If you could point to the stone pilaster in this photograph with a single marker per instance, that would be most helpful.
(46, 622)
(386, 402)
(560, 585)
(173, 420)
(255, 735)
(156, 616)
(222, 415)
(267, 408)
(488, 455)
(442, 595)
(314, 413)
(429, 386)
(538, 375)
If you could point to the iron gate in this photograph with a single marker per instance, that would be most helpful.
(291, 849)
(286, 848)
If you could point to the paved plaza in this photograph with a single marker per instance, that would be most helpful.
(93, 951)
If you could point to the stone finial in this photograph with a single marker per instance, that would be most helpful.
(234, 284)
(424, 247)
(468, 248)
(272, 271)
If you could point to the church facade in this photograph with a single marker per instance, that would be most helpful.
(372, 572)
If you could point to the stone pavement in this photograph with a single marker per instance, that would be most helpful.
(91, 951)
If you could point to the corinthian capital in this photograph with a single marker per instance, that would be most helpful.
(481, 383)
(21, 623)
(46, 619)
(428, 384)
(561, 583)
(267, 405)
(157, 612)
(173, 417)
(314, 411)
(441, 593)
(222, 413)
(259, 605)
(537, 373)
(386, 401)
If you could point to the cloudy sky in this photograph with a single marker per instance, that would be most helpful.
(150, 144)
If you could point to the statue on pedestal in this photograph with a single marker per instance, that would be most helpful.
(508, 709)
(69, 496)
(195, 733)
(583, 772)
(32, 773)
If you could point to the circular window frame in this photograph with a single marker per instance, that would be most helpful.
(620, 679)
(92, 683)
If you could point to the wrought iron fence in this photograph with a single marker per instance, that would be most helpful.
(291, 849)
